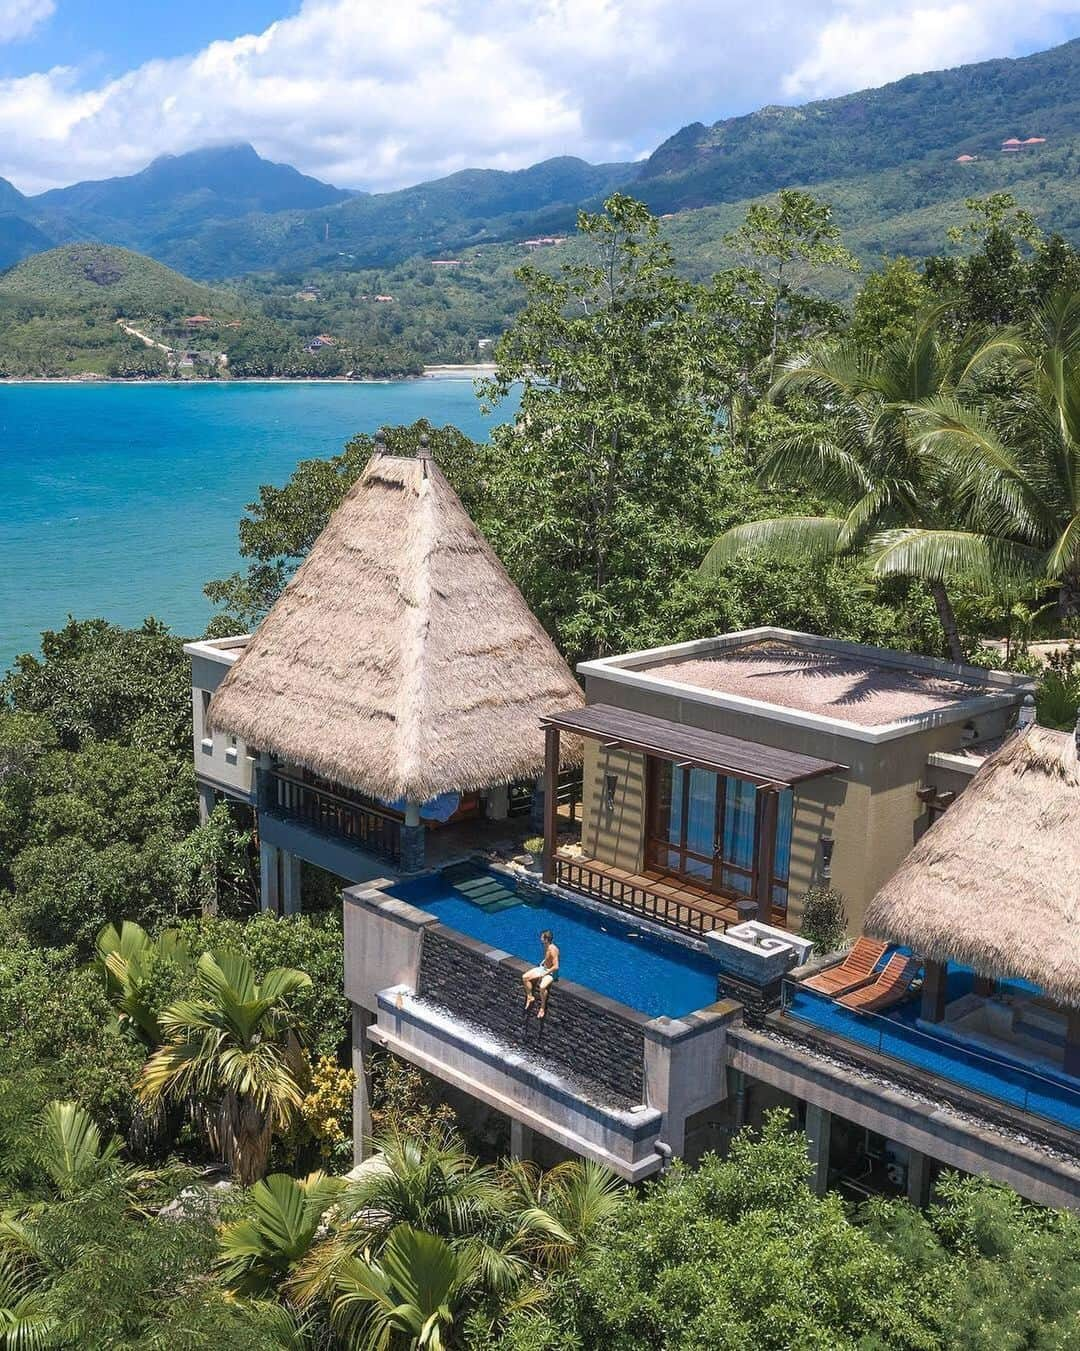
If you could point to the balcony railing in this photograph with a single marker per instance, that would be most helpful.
(639, 898)
(968, 1067)
(366, 827)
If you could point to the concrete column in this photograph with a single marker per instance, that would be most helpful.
(269, 878)
(920, 1175)
(818, 1138)
(207, 802)
(412, 841)
(521, 1140)
(361, 1021)
(291, 903)
(498, 802)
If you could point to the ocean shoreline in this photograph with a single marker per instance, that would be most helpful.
(449, 372)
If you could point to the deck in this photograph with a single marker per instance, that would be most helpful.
(652, 895)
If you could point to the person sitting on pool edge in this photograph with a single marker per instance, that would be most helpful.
(547, 973)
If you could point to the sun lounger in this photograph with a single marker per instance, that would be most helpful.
(855, 970)
(888, 988)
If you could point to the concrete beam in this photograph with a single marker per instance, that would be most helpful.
(291, 897)
(521, 1140)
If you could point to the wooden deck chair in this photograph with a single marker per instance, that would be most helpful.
(855, 970)
(889, 987)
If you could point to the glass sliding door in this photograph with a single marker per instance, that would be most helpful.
(702, 826)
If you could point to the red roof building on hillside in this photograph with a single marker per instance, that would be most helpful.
(966, 159)
(1013, 140)
(194, 320)
(1035, 140)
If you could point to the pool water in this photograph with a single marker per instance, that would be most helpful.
(618, 960)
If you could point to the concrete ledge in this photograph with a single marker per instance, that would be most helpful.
(621, 1139)
(889, 1111)
(670, 1031)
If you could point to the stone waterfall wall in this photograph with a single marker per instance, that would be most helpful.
(583, 1034)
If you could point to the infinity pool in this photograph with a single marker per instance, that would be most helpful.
(614, 958)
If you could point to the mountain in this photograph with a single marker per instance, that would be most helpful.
(19, 238)
(175, 196)
(970, 109)
(378, 229)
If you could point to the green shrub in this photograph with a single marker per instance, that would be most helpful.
(824, 919)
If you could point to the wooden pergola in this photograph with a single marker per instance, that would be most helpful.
(769, 768)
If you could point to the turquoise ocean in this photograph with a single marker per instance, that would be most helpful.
(122, 500)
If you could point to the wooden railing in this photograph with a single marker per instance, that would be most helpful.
(636, 898)
(569, 795)
(366, 827)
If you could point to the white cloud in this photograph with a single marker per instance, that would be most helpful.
(873, 43)
(19, 18)
(380, 93)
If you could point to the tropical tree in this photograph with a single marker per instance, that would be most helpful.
(1017, 459)
(128, 959)
(867, 454)
(233, 1054)
(411, 1295)
(284, 1213)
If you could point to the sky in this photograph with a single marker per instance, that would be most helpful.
(378, 94)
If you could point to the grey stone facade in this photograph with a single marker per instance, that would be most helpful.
(584, 1034)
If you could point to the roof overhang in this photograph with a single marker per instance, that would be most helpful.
(764, 766)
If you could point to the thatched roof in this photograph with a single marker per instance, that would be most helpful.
(400, 660)
(995, 881)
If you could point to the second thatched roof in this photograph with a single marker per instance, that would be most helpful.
(995, 882)
(401, 660)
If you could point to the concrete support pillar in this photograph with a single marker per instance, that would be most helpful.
(207, 802)
(498, 802)
(919, 1178)
(291, 901)
(521, 1140)
(933, 992)
(412, 841)
(818, 1139)
(361, 1021)
(269, 877)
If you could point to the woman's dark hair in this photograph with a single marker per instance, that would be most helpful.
(547, 936)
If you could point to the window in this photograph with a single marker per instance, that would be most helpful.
(703, 826)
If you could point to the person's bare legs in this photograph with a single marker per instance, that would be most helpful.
(545, 986)
(530, 994)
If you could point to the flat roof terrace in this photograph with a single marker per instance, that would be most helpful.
(804, 678)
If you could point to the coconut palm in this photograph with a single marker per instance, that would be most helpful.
(260, 1250)
(233, 1053)
(868, 454)
(1018, 460)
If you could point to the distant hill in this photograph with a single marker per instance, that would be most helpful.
(971, 109)
(19, 238)
(95, 276)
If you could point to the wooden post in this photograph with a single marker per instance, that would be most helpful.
(983, 985)
(933, 992)
(766, 848)
(551, 800)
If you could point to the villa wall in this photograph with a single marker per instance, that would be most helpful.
(871, 811)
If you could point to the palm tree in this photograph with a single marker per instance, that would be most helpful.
(1018, 461)
(234, 1053)
(868, 454)
(410, 1296)
(127, 959)
(260, 1250)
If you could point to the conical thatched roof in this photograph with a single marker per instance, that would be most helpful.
(995, 882)
(400, 660)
